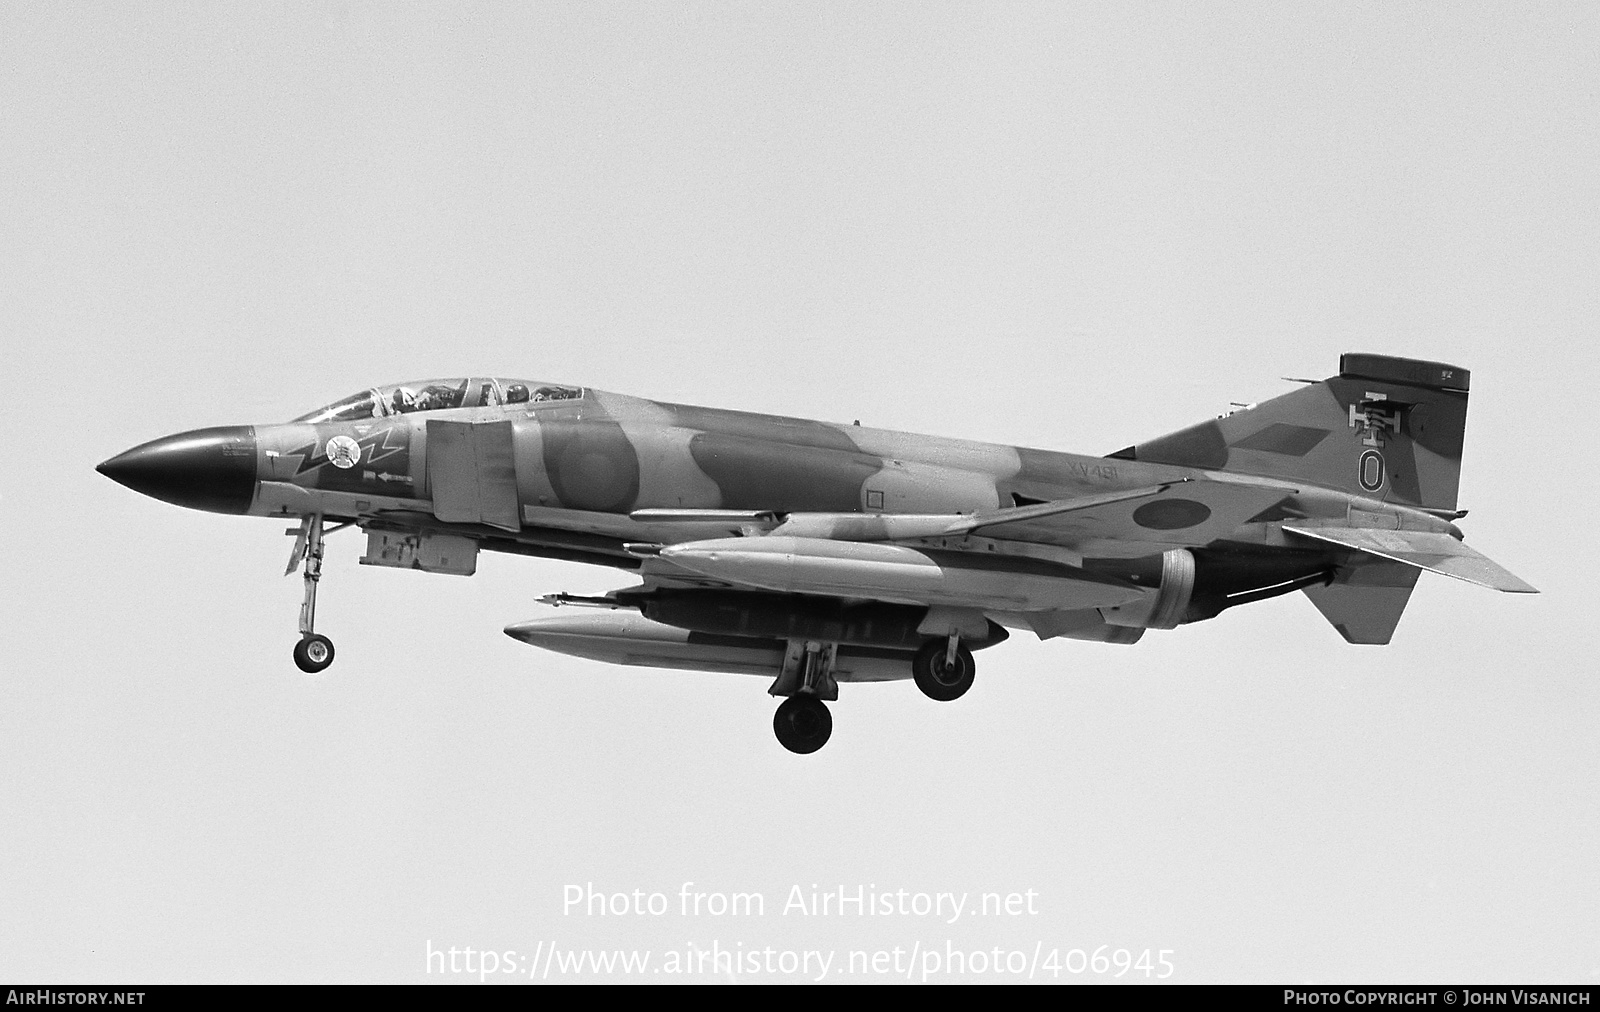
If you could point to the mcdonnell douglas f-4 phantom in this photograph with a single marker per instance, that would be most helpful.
(817, 553)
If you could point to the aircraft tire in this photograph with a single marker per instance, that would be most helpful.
(939, 680)
(313, 653)
(803, 724)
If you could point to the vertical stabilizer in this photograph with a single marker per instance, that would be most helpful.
(1385, 428)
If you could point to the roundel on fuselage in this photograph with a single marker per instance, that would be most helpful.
(591, 464)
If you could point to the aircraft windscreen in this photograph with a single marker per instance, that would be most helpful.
(439, 395)
(356, 406)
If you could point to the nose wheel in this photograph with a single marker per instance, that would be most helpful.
(803, 724)
(314, 652)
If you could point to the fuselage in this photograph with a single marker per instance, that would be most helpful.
(558, 472)
(587, 460)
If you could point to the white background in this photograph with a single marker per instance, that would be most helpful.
(1069, 226)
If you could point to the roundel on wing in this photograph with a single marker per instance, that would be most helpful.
(1171, 514)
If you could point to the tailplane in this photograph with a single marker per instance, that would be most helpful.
(1434, 551)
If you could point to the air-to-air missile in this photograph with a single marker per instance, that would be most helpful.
(818, 553)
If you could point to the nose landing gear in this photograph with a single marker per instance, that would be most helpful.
(314, 652)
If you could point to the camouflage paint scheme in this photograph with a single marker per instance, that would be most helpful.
(817, 553)
(1377, 446)
(1344, 488)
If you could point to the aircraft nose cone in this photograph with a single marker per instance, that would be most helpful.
(207, 469)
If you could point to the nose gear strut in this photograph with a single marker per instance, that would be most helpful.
(314, 652)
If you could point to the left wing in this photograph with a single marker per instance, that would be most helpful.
(1182, 514)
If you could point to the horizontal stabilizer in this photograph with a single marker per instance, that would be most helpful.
(1436, 552)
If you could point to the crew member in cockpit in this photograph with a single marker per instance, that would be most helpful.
(437, 396)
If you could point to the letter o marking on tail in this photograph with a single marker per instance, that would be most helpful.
(1370, 470)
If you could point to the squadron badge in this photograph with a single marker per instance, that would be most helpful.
(343, 451)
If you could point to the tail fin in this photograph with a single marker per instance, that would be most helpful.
(1386, 428)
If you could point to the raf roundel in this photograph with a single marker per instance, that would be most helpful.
(344, 451)
(1171, 514)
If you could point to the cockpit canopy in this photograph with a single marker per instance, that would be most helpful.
(437, 395)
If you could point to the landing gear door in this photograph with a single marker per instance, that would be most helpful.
(472, 473)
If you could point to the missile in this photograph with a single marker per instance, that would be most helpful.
(898, 573)
(627, 637)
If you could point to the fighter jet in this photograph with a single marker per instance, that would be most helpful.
(817, 553)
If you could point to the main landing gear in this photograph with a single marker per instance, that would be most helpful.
(803, 723)
(943, 669)
(314, 652)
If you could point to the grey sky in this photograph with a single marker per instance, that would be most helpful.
(1064, 226)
